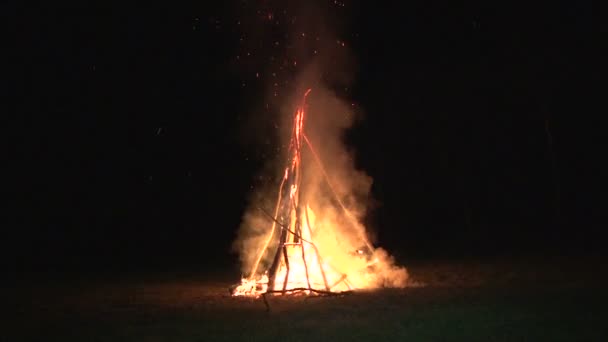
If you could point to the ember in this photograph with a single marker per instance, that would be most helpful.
(313, 256)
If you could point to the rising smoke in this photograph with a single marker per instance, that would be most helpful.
(331, 182)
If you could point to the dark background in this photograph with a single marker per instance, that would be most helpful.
(483, 131)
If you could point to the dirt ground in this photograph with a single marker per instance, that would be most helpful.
(497, 300)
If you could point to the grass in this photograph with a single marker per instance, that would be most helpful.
(461, 301)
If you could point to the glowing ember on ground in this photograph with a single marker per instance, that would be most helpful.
(311, 254)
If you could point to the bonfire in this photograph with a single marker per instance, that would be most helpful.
(313, 257)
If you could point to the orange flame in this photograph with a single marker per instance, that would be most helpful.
(314, 254)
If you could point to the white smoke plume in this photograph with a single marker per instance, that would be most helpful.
(336, 191)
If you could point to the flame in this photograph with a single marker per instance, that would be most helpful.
(326, 253)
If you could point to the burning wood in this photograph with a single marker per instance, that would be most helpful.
(310, 259)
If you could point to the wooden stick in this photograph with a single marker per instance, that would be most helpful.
(301, 238)
(286, 266)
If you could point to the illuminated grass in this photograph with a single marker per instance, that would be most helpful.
(514, 309)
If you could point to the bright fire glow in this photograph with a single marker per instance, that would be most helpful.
(327, 252)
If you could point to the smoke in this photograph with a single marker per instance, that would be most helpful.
(336, 191)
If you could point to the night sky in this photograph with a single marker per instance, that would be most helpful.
(135, 136)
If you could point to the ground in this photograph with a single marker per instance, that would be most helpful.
(548, 299)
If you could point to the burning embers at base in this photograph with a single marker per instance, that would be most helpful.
(309, 255)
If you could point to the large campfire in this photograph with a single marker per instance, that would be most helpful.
(311, 256)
